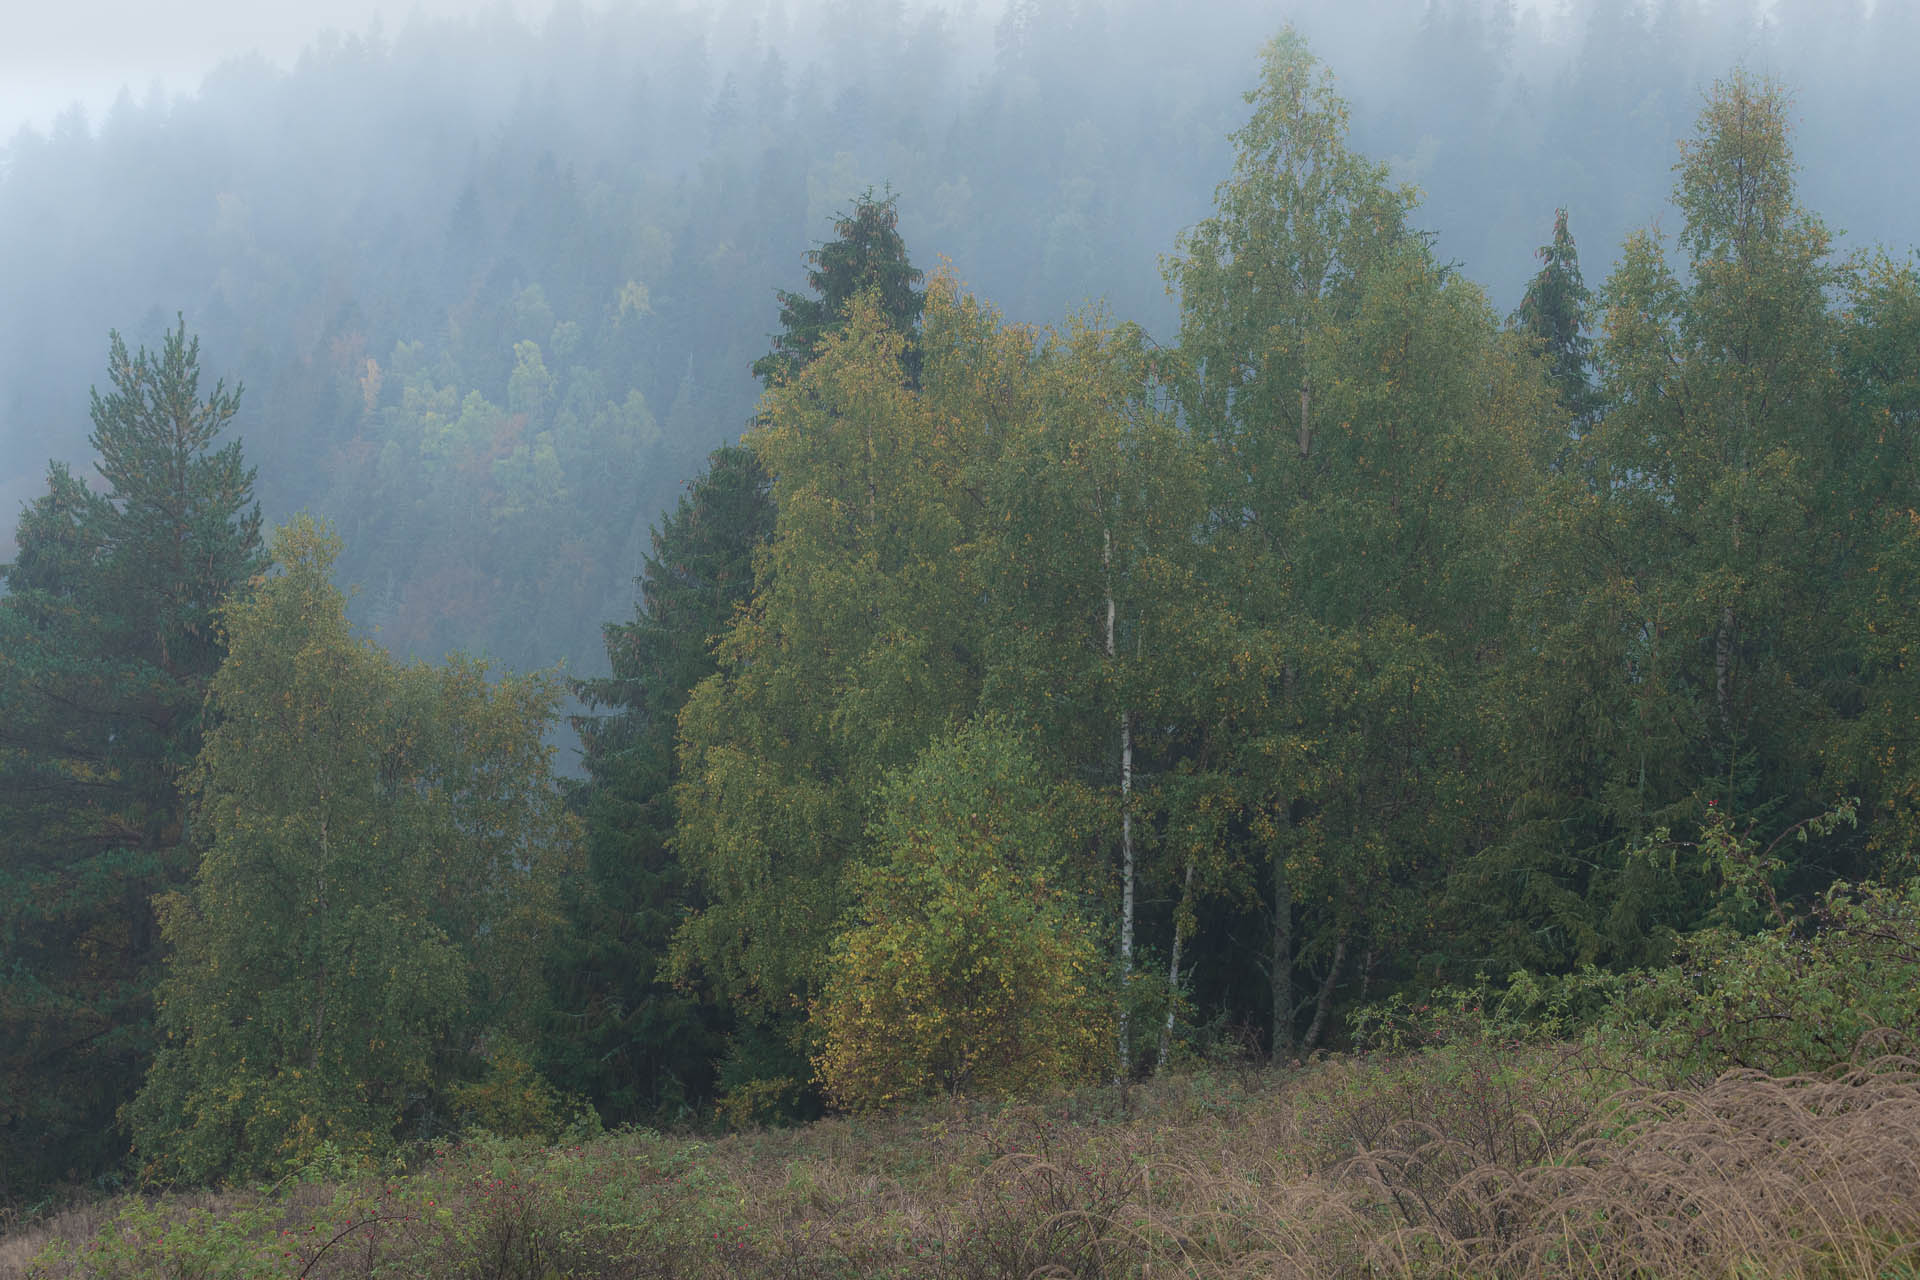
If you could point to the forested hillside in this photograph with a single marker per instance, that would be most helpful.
(369, 241)
(1016, 705)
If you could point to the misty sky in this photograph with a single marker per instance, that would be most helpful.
(86, 51)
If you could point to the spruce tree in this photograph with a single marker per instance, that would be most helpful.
(631, 1040)
(866, 254)
(637, 1045)
(1554, 314)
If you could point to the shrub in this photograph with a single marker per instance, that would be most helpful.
(966, 968)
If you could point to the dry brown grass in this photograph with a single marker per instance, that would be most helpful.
(21, 1245)
(1479, 1160)
(1805, 1176)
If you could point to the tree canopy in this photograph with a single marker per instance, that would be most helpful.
(384, 853)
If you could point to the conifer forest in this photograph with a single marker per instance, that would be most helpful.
(1103, 639)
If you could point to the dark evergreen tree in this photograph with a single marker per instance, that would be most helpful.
(637, 1045)
(867, 253)
(107, 642)
(632, 1041)
(1554, 313)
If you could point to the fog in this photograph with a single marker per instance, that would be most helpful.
(493, 279)
(89, 52)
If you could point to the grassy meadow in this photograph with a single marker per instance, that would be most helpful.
(1479, 1157)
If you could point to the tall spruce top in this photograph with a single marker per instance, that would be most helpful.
(866, 254)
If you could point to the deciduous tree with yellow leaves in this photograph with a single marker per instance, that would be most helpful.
(967, 966)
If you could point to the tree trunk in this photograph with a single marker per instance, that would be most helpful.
(1173, 968)
(1723, 667)
(1126, 824)
(318, 1034)
(1126, 879)
(1280, 957)
(1325, 1000)
(1306, 431)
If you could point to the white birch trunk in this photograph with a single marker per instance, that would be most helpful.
(1126, 822)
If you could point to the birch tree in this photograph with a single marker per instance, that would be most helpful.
(967, 966)
(1091, 576)
(861, 644)
(1341, 378)
(384, 851)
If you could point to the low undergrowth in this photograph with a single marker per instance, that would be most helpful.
(1478, 1157)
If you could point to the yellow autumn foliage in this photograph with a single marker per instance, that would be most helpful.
(965, 969)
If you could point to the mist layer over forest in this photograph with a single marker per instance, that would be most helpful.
(493, 289)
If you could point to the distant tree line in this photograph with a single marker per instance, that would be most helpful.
(497, 290)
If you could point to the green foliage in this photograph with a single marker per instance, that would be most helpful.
(1815, 994)
(845, 664)
(1554, 314)
(1807, 993)
(866, 256)
(642, 1046)
(966, 969)
(1878, 350)
(107, 642)
(1367, 438)
(1685, 605)
(384, 847)
(939, 549)
(1768, 987)
(1279, 263)
(1100, 632)
(1356, 645)
(513, 1100)
(624, 1035)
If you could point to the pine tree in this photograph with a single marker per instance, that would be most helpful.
(107, 644)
